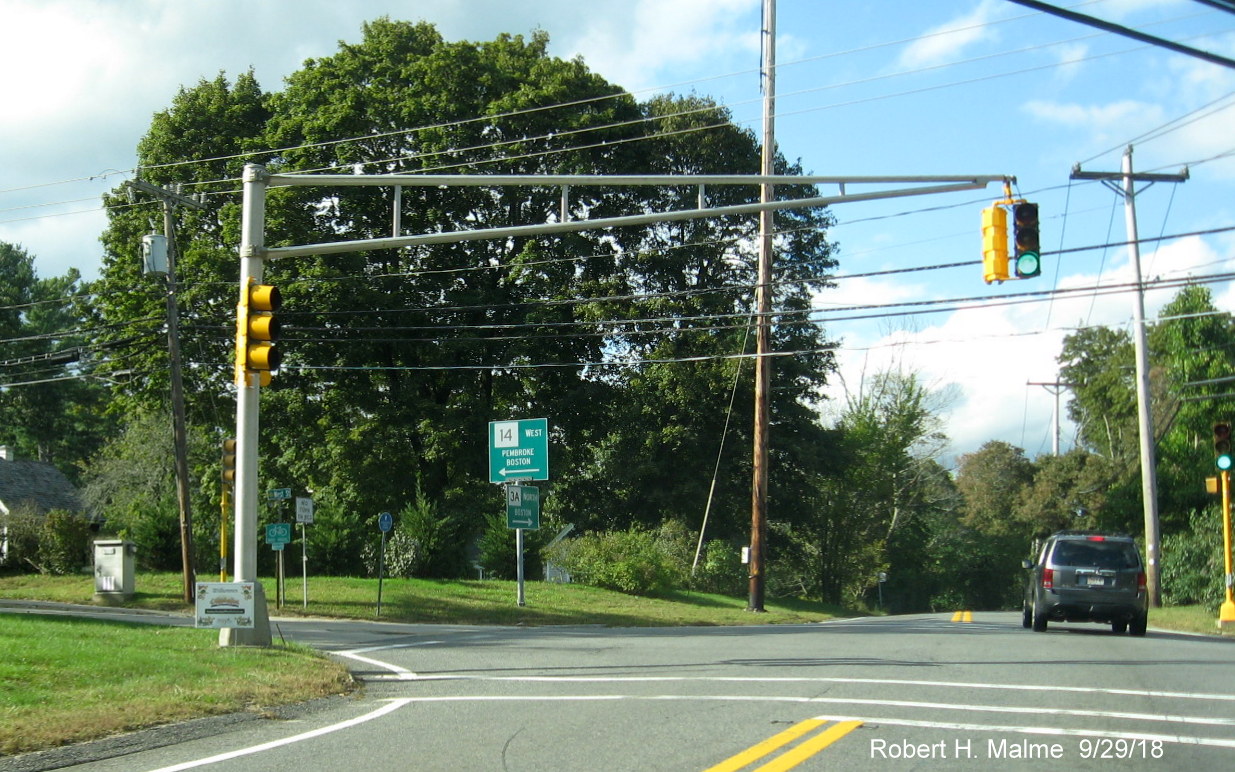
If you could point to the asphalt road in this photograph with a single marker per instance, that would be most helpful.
(898, 693)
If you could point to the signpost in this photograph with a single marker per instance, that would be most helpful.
(304, 516)
(384, 523)
(519, 450)
(278, 534)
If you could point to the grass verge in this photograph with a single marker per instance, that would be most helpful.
(450, 602)
(65, 680)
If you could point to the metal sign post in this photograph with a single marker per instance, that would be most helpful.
(304, 516)
(277, 535)
(384, 523)
(522, 511)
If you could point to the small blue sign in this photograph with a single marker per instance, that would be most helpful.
(385, 522)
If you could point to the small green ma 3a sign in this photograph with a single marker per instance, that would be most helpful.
(522, 507)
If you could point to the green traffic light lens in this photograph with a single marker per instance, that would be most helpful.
(1028, 264)
(1223, 462)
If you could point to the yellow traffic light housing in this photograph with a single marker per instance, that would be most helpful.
(994, 244)
(229, 461)
(257, 329)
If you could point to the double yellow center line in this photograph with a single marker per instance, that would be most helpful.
(962, 616)
(793, 756)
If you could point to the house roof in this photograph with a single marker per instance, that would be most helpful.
(37, 483)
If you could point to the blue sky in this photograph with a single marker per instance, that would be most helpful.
(865, 87)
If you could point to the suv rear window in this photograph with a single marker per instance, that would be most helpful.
(1097, 554)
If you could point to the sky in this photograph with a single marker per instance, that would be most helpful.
(863, 87)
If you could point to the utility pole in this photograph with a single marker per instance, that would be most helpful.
(1123, 183)
(763, 319)
(1056, 388)
(171, 198)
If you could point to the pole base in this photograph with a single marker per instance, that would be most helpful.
(259, 633)
(1226, 618)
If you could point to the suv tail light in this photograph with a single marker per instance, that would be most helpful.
(1141, 584)
(1048, 578)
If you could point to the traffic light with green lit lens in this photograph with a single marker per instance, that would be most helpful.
(1222, 445)
(1028, 250)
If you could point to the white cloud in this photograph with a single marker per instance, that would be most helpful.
(992, 355)
(947, 40)
(664, 35)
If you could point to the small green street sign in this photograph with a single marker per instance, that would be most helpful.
(279, 494)
(278, 534)
(523, 507)
(519, 450)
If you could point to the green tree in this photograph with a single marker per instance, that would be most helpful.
(1098, 364)
(1193, 355)
(48, 412)
(395, 360)
(1067, 491)
(886, 483)
(992, 480)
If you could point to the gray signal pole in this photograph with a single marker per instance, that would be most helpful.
(171, 198)
(1124, 183)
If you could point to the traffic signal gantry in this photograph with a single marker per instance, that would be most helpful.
(1024, 261)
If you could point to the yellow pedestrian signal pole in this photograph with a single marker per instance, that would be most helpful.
(1222, 460)
(228, 478)
(1226, 615)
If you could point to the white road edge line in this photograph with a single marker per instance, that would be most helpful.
(391, 706)
(841, 680)
(401, 672)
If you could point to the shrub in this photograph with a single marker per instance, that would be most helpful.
(55, 543)
(497, 549)
(64, 543)
(423, 543)
(720, 570)
(21, 528)
(632, 561)
(1192, 563)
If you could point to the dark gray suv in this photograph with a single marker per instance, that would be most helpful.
(1084, 576)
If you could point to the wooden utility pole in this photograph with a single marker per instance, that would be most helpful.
(170, 199)
(1055, 388)
(1124, 182)
(763, 319)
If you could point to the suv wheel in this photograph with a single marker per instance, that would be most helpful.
(1026, 616)
(1119, 627)
(1039, 620)
(1138, 624)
